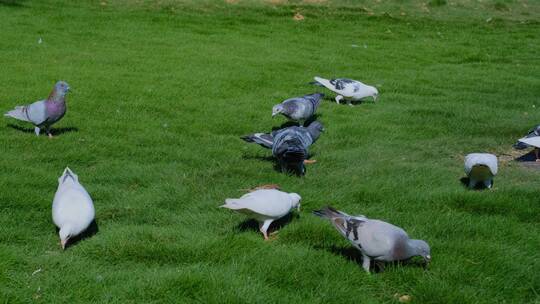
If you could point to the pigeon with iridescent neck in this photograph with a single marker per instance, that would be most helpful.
(377, 240)
(44, 113)
(72, 208)
(289, 145)
(348, 89)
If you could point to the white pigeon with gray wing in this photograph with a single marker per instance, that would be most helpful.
(72, 208)
(348, 89)
(44, 113)
(298, 108)
(265, 206)
(532, 139)
(377, 240)
(481, 167)
(289, 145)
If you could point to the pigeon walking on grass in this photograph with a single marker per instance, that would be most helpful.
(481, 167)
(532, 139)
(376, 240)
(265, 206)
(44, 113)
(72, 209)
(289, 145)
(298, 108)
(348, 89)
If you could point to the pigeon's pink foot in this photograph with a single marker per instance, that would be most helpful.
(50, 135)
(309, 161)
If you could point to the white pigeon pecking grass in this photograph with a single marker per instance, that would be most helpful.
(72, 208)
(377, 240)
(481, 167)
(265, 206)
(348, 89)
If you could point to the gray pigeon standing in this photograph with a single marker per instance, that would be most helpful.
(481, 167)
(44, 113)
(532, 139)
(377, 240)
(298, 108)
(289, 145)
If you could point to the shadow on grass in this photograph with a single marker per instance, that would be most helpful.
(89, 232)
(529, 160)
(253, 225)
(12, 3)
(54, 131)
(479, 185)
(354, 255)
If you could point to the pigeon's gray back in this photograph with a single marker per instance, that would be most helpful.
(383, 241)
(286, 135)
(36, 112)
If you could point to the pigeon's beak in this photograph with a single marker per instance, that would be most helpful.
(274, 114)
(427, 259)
(374, 98)
(298, 208)
(63, 243)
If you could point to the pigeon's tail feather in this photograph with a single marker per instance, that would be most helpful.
(324, 82)
(520, 145)
(231, 203)
(262, 139)
(329, 213)
(316, 83)
(18, 113)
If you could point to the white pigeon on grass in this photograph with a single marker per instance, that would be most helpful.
(72, 209)
(377, 240)
(481, 167)
(265, 206)
(348, 89)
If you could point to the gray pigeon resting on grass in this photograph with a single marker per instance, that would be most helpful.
(289, 145)
(481, 167)
(44, 113)
(532, 139)
(348, 89)
(298, 108)
(375, 239)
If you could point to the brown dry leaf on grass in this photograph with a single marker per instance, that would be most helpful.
(298, 17)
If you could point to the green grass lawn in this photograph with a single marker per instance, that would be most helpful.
(162, 90)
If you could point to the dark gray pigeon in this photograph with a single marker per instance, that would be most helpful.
(289, 145)
(376, 239)
(532, 139)
(44, 113)
(298, 108)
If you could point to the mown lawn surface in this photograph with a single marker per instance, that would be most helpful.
(162, 90)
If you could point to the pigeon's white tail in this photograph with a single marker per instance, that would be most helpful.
(232, 203)
(324, 82)
(18, 113)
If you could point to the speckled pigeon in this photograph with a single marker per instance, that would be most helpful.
(72, 208)
(531, 139)
(377, 240)
(298, 108)
(481, 167)
(265, 206)
(289, 145)
(44, 113)
(348, 89)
